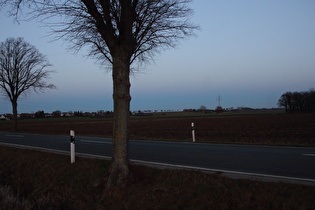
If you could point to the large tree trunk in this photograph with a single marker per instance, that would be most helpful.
(15, 115)
(119, 168)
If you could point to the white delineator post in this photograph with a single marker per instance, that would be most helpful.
(72, 146)
(193, 131)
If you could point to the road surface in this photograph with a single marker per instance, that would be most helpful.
(288, 163)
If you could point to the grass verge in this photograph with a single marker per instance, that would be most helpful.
(39, 180)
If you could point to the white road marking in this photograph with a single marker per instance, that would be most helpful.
(34, 148)
(100, 142)
(312, 155)
(312, 181)
(12, 135)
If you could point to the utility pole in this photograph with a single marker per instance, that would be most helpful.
(219, 100)
(219, 108)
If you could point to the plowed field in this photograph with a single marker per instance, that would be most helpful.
(272, 129)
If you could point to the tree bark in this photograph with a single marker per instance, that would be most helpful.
(15, 117)
(119, 169)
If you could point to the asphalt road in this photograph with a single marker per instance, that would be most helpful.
(290, 163)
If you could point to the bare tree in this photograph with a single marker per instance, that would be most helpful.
(22, 68)
(119, 32)
(285, 101)
(298, 101)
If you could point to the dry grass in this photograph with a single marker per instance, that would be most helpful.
(38, 180)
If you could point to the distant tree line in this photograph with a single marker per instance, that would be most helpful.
(298, 101)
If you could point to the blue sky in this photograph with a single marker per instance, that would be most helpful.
(249, 52)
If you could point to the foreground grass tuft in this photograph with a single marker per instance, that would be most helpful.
(38, 180)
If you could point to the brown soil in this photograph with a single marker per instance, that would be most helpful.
(273, 129)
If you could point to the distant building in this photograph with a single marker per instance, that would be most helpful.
(2, 117)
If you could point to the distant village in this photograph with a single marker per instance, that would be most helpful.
(57, 114)
(109, 114)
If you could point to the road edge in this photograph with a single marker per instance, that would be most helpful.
(226, 173)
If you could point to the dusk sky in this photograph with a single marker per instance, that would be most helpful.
(249, 52)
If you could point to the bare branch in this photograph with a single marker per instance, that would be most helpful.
(22, 67)
(142, 27)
